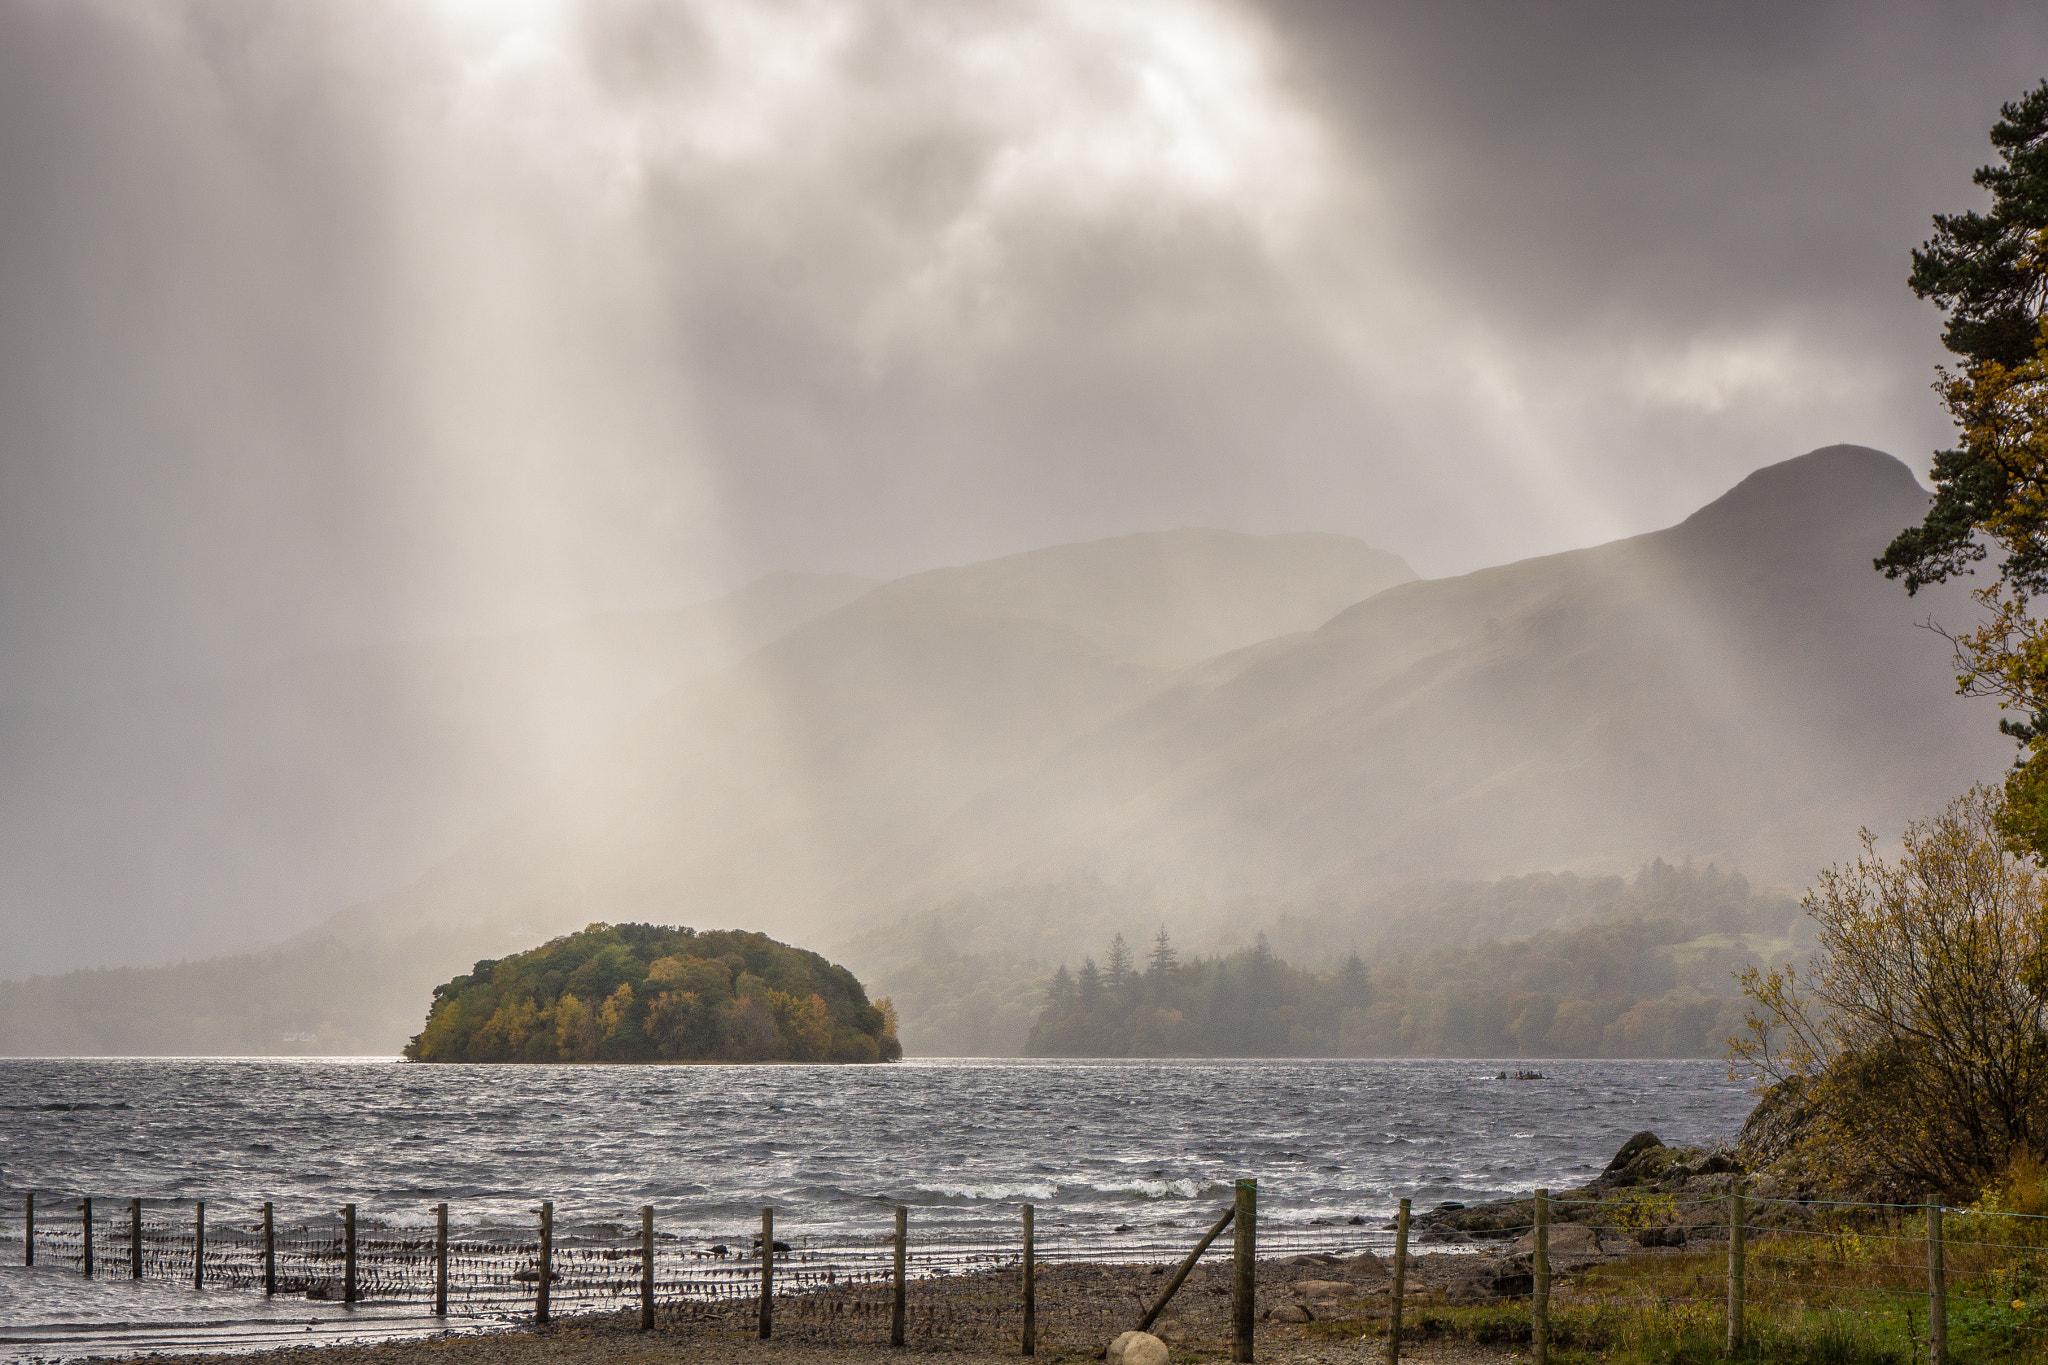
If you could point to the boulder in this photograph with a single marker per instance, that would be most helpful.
(1566, 1239)
(1291, 1312)
(1363, 1266)
(1136, 1348)
(1473, 1288)
(1325, 1289)
(1510, 1277)
(1633, 1148)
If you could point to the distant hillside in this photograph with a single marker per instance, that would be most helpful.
(1610, 990)
(646, 993)
(1639, 956)
(189, 813)
(1741, 686)
(760, 794)
(323, 999)
(927, 690)
(1740, 689)
(1163, 599)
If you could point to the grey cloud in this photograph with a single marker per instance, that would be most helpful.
(337, 322)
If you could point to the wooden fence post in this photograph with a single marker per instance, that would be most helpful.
(269, 1251)
(767, 1273)
(199, 1245)
(440, 1260)
(647, 1267)
(1244, 1270)
(348, 1253)
(85, 1225)
(1539, 1297)
(1397, 1284)
(1937, 1289)
(135, 1239)
(28, 1251)
(897, 1301)
(1735, 1268)
(544, 1277)
(1030, 1285)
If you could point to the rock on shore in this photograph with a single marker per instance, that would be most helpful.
(1650, 1195)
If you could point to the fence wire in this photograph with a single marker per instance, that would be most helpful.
(1802, 1262)
(840, 1290)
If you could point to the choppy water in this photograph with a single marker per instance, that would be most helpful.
(1147, 1147)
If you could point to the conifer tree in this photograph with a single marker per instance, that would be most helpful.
(1989, 273)
(1119, 963)
(1163, 959)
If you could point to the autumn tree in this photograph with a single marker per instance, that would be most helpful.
(1912, 1055)
(1988, 272)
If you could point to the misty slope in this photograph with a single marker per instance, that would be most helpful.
(754, 797)
(277, 796)
(1741, 684)
(741, 797)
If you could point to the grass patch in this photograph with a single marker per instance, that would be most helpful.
(1614, 1333)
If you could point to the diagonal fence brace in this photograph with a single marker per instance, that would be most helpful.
(1173, 1285)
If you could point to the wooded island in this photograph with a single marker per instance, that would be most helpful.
(648, 993)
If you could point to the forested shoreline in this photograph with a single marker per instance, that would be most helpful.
(1651, 985)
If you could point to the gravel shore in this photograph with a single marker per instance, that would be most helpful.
(968, 1318)
(613, 1342)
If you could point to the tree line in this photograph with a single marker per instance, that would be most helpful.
(1648, 986)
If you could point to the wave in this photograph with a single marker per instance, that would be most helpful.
(995, 1192)
(1161, 1189)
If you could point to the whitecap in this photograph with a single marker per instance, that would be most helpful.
(1017, 1190)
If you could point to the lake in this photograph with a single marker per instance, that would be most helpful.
(1120, 1158)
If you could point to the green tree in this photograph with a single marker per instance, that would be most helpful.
(1119, 964)
(1163, 959)
(1988, 273)
(1983, 269)
(1088, 984)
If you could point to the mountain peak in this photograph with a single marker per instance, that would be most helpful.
(1841, 484)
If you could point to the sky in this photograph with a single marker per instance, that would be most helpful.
(352, 320)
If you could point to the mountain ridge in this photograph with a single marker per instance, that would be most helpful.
(1739, 687)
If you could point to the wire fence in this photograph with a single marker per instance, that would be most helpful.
(1768, 1277)
(877, 1288)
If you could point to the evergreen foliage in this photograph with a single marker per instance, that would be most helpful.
(1989, 274)
(1984, 270)
(1656, 984)
(645, 993)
